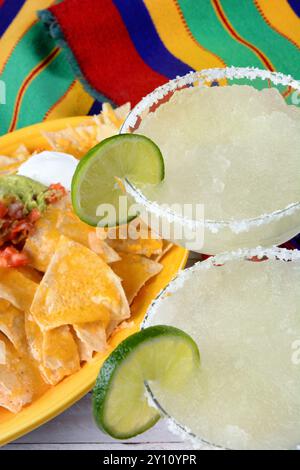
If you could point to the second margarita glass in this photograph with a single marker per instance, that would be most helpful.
(205, 234)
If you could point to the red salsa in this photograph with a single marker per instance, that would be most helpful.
(19, 212)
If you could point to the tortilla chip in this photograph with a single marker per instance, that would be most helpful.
(165, 248)
(2, 353)
(16, 288)
(85, 351)
(102, 249)
(12, 324)
(10, 164)
(20, 380)
(115, 116)
(122, 326)
(75, 141)
(13, 392)
(34, 337)
(58, 220)
(78, 140)
(135, 238)
(7, 162)
(135, 271)
(146, 247)
(78, 287)
(92, 338)
(72, 227)
(53, 350)
(60, 354)
(41, 244)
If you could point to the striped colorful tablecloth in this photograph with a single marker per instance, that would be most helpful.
(123, 48)
(71, 56)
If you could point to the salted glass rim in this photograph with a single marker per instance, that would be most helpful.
(160, 210)
(177, 283)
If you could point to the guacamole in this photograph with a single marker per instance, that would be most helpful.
(30, 193)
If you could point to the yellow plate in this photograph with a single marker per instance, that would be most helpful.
(63, 395)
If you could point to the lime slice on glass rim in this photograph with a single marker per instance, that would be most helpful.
(130, 156)
(158, 353)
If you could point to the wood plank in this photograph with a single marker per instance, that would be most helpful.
(76, 425)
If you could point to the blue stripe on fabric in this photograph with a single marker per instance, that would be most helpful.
(8, 12)
(96, 108)
(147, 41)
(296, 242)
(295, 5)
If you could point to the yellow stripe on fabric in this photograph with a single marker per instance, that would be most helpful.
(75, 102)
(176, 36)
(20, 25)
(281, 18)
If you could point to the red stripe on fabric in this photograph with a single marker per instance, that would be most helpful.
(26, 82)
(287, 92)
(105, 53)
(221, 14)
(288, 245)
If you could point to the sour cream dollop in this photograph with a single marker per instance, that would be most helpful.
(49, 168)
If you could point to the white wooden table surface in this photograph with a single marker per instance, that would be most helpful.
(75, 429)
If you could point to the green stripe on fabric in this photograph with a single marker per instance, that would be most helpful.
(45, 90)
(247, 20)
(32, 49)
(210, 33)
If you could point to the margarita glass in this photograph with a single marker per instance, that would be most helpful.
(209, 234)
(244, 316)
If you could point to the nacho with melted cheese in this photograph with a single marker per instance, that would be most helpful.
(65, 287)
(59, 354)
(55, 351)
(135, 271)
(41, 244)
(35, 338)
(78, 140)
(135, 238)
(102, 248)
(2, 353)
(59, 220)
(20, 380)
(12, 325)
(91, 338)
(16, 288)
(72, 227)
(166, 246)
(78, 287)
